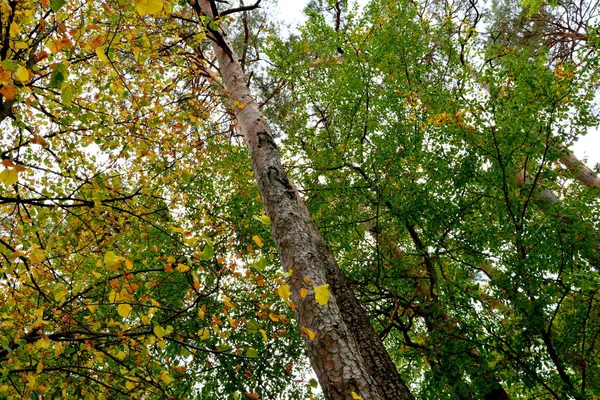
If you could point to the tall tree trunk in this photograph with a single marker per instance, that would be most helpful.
(346, 353)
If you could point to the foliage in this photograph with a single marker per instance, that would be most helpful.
(128, 265)
(416, 134)
(135, 256)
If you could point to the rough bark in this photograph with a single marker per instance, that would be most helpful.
(340, 326)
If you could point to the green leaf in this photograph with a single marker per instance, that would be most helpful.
(208, 252)
(10, 65)
(68, 93)
(57, 4)
(58, 76)
(251, 352)
(261, 264)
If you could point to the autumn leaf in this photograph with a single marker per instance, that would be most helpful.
(204, 334)
(166, 378)
(182, 268)
(284, 291)
(9, 176)
(149, 7)
(264, 335)
(14, 29)
(22, 74)
(257, 240)
(159, 331)
(303, 293)
(37, 255)
(9, 92)
(37, 139)
(322, 294)
(110, 259)
(100, 53)
(124, 310)
(42, 343)
(311, 335)
(356, 396)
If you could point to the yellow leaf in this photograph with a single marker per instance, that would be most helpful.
(113, 296)
(92, 307)
(109, 259)
(31, 381)
(264, 335)
(148, 7)
(40, 367)
(273, 317)
(303, 293)
(129, 385)
(146, 320)
(128, 264)
(182, 268)
(9, 176)
(100, 53)
(42, 343)
(124, 310)
(159, 331)
(322, 294)
(60, 295)
(204, 334)
(58, 349)
(37, 255)
(166, 378)
(228, 302)
(14, 29)
(265, 219)
(284, 291)
(121, 355)
(356, 397)
(22, 73)
(201, 314)
(257, 240)
(311, 335)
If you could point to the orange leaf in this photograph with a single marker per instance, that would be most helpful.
(8, 91)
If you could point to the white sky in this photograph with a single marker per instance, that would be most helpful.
(586, 149)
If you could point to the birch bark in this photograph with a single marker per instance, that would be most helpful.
(346, 353)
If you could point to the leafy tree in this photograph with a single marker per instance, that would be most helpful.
(425, 138)
(424, 163)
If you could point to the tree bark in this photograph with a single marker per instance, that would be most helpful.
(346, 353)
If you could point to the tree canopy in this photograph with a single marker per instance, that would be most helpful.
(429, 140)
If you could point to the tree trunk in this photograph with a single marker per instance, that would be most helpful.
(346, 353)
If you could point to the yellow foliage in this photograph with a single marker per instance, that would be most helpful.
(284, 291)
(149, 7)
(322, 294)
(124, 310)
(258, 240)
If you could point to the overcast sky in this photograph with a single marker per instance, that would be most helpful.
(588, 147)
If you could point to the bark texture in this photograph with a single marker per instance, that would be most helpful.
(346, 353)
